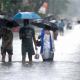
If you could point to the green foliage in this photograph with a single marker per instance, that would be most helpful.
(0, 4)
(7, 3)
(11, 7)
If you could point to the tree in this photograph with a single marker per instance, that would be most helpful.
(57, 7)
(11, 7)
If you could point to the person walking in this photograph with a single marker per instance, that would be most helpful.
(7, 43)
(47, 44)
(27, 35)
(61, 27)
(56, 32)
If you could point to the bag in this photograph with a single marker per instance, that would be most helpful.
(38, 42)
(36, 55)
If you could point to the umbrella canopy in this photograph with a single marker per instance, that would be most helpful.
(12, 24)
(26, 15)
(42, 24)
(6, 21)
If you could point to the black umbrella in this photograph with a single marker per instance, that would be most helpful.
(12, 23)
(43, 23)
(7, 21)
(4, 20)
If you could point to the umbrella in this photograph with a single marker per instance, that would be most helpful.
(4, 20)
(42, 24)
(12, 24)
(26, 15)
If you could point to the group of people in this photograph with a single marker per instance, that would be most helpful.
(27, 35)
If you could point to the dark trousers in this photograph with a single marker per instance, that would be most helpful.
(61, 29)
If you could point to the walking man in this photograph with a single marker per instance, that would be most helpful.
(61, 27)
(27, 34)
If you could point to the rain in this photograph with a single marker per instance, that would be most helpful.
(66, 60)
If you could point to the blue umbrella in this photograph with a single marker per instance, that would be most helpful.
(26, 15)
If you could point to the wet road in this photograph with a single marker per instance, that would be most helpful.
(66, 64)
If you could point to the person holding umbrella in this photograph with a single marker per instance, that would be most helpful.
(27, 34)
(7, 42)
(47, 44)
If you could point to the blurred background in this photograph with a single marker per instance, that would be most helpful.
(68, 9)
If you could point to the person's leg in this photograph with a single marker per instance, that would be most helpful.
(30, 57)
(30, 53)
(1, 50)
(10, 53)
(3, 57)
(10, 57)
(23, 53)
(23, 57)
(62, 31)
(3, 54)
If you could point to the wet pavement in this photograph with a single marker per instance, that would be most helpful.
(66, 64)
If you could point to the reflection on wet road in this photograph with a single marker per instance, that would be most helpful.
(40, 71)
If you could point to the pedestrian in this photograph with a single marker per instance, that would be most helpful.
(27, 34)
(67, 27)
(7, 43)
(47, 44)
(61, 27)
(56, 32)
